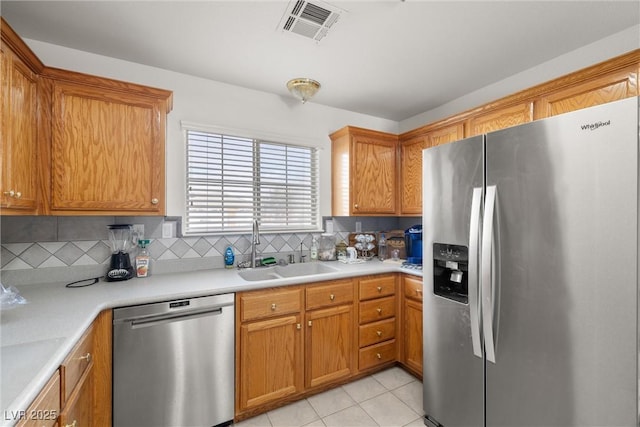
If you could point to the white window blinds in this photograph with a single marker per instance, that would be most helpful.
(231, 180)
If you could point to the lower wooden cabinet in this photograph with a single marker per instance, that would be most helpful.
(44, 410)
(78, 410)
(292, 341)
(329, 345)
(295, 341)
(412, 342)
(377, 321)
(79, 392)
(271, 361)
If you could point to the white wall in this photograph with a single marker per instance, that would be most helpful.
(609, 47)
(217, 104)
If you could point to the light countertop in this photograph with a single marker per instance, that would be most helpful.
(36, 337)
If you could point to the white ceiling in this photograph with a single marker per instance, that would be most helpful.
(389, 59)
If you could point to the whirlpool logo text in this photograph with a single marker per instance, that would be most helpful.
(594, 126)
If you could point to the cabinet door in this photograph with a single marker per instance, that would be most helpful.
(271, 360)
(413, 335)
(611, 87)
(411, 175)
(107, 150)
(330, 345)
(19, 131)
(78, 410)
(501, 118)
(373, 176)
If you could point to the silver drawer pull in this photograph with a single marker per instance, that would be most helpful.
(379, 289)
(332, 297)
(379, 333)
(86, 357)
(273, 307)
(379, 310)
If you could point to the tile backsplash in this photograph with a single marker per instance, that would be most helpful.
(36, 249)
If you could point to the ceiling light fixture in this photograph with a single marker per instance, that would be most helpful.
(303, 88)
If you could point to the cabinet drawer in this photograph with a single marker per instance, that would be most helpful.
(413, 288)
(377, 354)
(377, 287)
(377, 309)
(270, 303)
(333, 293)
(76, 364)
(45, 408)
(373, 333)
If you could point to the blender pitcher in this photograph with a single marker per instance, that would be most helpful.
(121, 240)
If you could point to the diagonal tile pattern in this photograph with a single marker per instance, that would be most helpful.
(389, 398)
(20, 256)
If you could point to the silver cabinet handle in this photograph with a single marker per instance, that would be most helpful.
(155, 201)
(86, 357)
(332, 297)
(273, 307)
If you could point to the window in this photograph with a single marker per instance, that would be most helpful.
(232, 180)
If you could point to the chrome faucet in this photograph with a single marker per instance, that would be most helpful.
(255, 241)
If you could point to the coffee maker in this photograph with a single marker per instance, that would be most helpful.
(413, 244)
(121, 239)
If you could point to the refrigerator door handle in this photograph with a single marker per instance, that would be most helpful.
(489, 273)
(474, 287)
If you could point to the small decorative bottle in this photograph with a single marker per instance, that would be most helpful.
(143, 259)
(229, 257)
(314, 249)
(382, 247)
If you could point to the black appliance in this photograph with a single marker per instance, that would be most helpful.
(121, 239)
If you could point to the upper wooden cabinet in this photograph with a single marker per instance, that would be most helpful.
(411, 175)
(364, 172)
(76, 144)
(107, 145)
(411, 163)
(610, 87)
(19, 69)
(500, 118)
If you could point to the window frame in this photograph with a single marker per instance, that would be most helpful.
(257, 138)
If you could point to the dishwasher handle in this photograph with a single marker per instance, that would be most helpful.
(160, 319)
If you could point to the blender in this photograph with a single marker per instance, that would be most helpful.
(121, 239)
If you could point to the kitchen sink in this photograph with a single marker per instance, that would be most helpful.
(261, 273)
(286, 271)
(304, 269)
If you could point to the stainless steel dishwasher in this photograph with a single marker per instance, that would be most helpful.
(173, 363)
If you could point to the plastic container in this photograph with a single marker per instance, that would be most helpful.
(229, 257)
(382, 247)
(327, 249)
(313, 252)
(143, 260)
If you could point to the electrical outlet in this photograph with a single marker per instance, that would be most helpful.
(358, 227)
(168, 229)
(138, 230)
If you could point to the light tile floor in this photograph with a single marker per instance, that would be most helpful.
(392, 397)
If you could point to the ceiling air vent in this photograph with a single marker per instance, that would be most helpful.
(311, 19)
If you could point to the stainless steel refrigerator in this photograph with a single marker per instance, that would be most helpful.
(530, 263)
